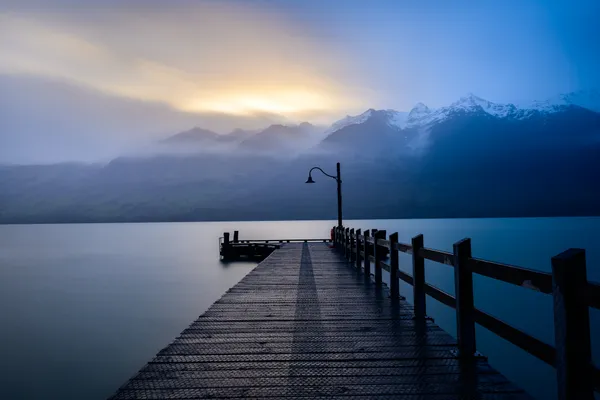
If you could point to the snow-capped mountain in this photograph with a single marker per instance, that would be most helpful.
(413, 129)
(589, 99)
(422, 116)
(373, 128)
(395, 119)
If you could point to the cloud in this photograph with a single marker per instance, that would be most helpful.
(46, 120)
(210, 57)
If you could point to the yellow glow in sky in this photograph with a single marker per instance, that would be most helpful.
(210, 59)
(285, 101)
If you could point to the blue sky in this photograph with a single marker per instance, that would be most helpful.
(225, 64)
(434, 51)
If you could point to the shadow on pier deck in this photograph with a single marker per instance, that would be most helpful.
(306, 324)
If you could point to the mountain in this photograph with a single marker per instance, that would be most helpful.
(238, 135)
(472, 158)
(195, 135)
(374, 131)
(588, 99)
(291, 138)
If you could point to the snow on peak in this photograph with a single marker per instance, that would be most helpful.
(589, 99)
(418, 111)
(423, 116)
(350, 120)
(396, 119)
(471, 103)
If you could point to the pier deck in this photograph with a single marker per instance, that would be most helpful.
(306, 324)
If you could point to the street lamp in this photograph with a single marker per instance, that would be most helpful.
(338, 179)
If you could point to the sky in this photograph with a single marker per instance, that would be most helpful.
(85, 79)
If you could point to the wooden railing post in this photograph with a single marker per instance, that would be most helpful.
(236, 236)
(352, 239)
(394, 265)
(226, 239)
(346, 242)
(358, 249)
(367, 262)
(372, 246)
(572, 326)
(418, 277)
(379, 254)
(463, 288)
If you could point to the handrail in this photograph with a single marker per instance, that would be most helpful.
(404, 248)
(530, 344)
(383, 243)
(440, 295)
(438, 256)
(536, 280)
(567, 281)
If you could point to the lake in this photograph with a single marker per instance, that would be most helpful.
(86, 306)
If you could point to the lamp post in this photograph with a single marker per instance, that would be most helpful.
(338, 179)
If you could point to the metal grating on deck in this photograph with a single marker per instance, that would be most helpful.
(304, 324)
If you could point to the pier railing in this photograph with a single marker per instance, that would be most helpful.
(573, 295)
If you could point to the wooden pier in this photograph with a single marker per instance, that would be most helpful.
(307, 323)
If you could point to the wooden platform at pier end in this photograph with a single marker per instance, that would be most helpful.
(305, 324)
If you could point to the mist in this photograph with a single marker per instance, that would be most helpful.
(46, 120)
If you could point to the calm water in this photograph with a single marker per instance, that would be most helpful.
(85, 306)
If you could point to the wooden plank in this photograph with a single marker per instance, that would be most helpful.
(301, 325)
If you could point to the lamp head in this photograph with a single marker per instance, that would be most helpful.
(310, 179)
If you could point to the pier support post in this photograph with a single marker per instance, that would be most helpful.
(379, 255)
(358, 258)
(367, 261)
(418, 277)
(463, 289)
(394, 266)
(236, 236)
(572, 326)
